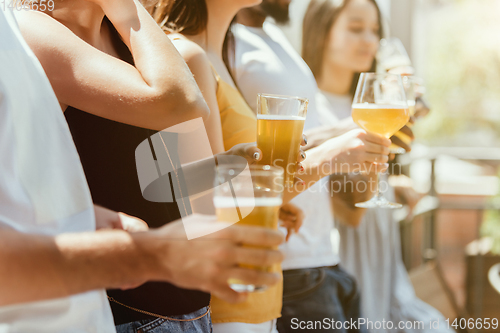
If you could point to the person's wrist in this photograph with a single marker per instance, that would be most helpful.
(122, 14)
(152, 255)
(314, 161)
(329, 162)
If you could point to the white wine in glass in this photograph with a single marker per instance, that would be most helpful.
(380, 106)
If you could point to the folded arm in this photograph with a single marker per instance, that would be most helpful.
(158, 92)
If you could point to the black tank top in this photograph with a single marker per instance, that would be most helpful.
(107, 152)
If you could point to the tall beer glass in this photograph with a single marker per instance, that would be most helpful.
(379, 106)
(280, 122)
(249, 195)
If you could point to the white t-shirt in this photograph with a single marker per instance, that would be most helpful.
(42, 184)
(266, 62)
(327, 102)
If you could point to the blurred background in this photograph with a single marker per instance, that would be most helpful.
(451, 242)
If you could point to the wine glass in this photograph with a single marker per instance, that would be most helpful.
(392, 56)
(380, 106)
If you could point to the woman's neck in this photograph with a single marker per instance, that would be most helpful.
(335, 79)
(83, 18)
(212, 39)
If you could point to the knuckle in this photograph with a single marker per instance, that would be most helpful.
(213, 271)
(253, 276)
(226, 254)
(264, 257)
(280, 256)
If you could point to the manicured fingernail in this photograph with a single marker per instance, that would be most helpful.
(256, 156)
(303, 155)
(302, 168)
(305, 140)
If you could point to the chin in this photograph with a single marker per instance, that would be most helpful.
(360, 68)
(250, 3)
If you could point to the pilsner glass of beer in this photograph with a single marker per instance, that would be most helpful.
(249, 195)
(380, 106)
(280, 122)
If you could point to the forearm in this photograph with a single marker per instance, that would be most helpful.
(347, 190)
(347, 214)
(317, 136)
(38, 267)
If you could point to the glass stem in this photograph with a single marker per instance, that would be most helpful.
(377, 190)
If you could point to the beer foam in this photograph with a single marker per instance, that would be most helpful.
(275, 117)
(400, 105)
(225, 202)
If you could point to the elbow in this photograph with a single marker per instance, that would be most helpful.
(352, 218)
(174, 107)
(198, 108)
(355, 220)
(188, 105)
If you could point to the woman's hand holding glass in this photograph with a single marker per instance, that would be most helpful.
(380, 106)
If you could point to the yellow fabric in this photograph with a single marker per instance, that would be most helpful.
(239, 125)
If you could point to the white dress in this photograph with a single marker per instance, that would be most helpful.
(372, 253)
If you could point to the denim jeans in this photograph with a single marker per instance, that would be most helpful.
(201, 325)
(315, 299)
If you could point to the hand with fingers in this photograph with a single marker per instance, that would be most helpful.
(406, 130)
(253, 154)
(291, 217)
(108, 219)
(208, 262)
(300, 158)
(247, 150)
(356, 150)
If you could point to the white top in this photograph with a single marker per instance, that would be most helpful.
(372, 252)
(327, 101)
(42, 184)
(265, 62)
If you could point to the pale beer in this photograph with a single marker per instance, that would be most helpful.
(248, 195)
(264, 214)
(279, 138)
(381, 119)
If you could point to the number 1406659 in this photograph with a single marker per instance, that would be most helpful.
(471, 323)
(41, 5)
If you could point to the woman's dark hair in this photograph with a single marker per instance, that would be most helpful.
(320, 16)
(188, 17)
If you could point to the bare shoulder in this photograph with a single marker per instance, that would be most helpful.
(193, 54)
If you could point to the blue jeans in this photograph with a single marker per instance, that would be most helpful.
(201, 325)
(315, 299)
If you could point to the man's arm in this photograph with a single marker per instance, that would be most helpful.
(38, 267)
(108, 219)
